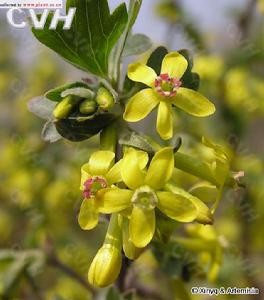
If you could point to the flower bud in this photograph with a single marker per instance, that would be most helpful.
(88, 106)
(105, 267)
(63, 108)
(104, 99)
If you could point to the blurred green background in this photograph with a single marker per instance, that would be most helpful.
(43, 252)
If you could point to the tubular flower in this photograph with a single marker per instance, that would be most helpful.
(99, 173)
(164, 91)
(144, 194)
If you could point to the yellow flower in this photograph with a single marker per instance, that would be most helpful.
(164, 91)
(100, 172)
(145, 193)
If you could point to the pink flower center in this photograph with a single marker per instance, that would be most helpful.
(93, 185)
(167, 86)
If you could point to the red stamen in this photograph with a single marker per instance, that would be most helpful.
(89, 189)
(173, 83)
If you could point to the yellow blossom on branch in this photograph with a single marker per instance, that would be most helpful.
(165, 90)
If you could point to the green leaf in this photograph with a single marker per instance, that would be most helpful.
(117, 51)
(189, 80)
(93, 34)
(49, 133)
(42, 108)
(56, 94)
(137, 44)
(134, 8)
(15, 264)
(77, 131)
(79, 92)
(169, 257)
(132, 139)
(113, 294)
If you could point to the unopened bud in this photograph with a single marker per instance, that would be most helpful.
(63, 109)
(204, 214)
(88, 106)
(105, 267)
(104, 99)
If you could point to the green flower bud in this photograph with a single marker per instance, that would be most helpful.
(63, 108)
(105, 267)
(88, 106)
(104, 99)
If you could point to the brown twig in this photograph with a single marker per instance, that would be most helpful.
(131, 283)
(34, 286)
(55, 262)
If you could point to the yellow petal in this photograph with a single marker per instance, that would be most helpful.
(205, 191)
(204, 215)
(142, 156)
(160, 169)
(132, 175)
(142, 226)
(140, 105)
(141, 73)
(165, 121)
(176, 207)
(114, 174)
(88, 215)
(100, 162)
(130, 250)
(174, 64)
(85, 174)
(113, 200)
(193, 103)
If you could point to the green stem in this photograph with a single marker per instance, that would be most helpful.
(134, 7)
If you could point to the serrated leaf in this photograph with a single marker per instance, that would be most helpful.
(137, 44)
(93, 34)
(49, 133)
(55, 94)
(77, 131)
(41, 107)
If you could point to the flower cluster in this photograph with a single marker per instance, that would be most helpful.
(133, 189)
(136, 189)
